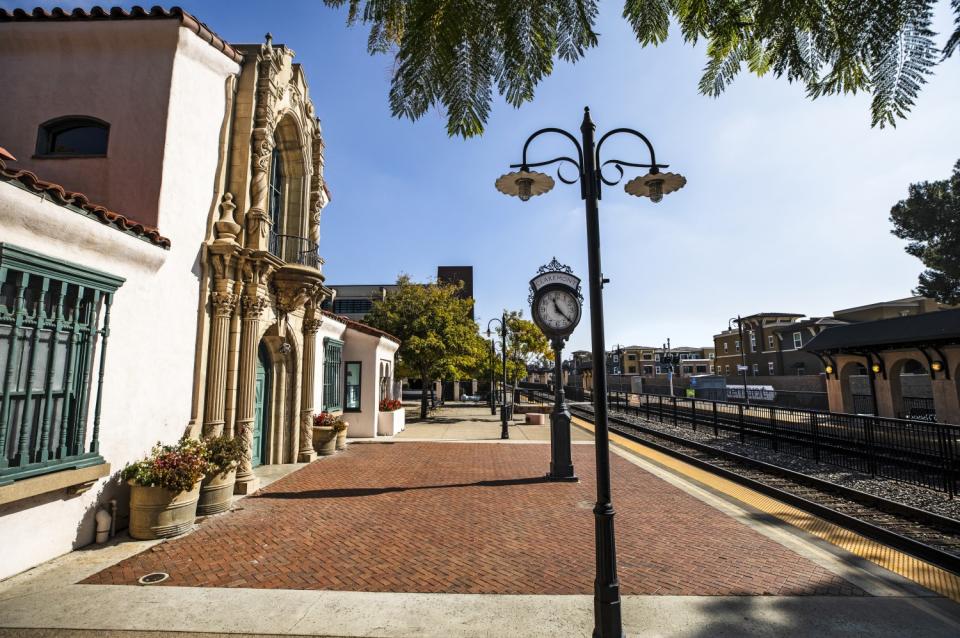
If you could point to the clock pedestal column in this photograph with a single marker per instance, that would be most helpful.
(561, 462)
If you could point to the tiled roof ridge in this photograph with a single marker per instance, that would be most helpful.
(118, 13)
(62, 196)
(360, 326)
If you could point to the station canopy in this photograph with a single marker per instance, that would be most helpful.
(929, 329)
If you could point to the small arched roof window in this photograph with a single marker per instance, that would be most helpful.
(73, 136)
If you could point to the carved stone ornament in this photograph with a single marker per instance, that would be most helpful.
(227, 228)
(224, 303)
(253, 306)
(290, 297)
(311, 326)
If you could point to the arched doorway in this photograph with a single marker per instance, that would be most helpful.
(857, 389)
(912, 390)
(263, 385)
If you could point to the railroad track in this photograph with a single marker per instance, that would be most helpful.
(926, 535)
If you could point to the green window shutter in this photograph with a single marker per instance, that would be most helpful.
(52, 315)
(332, 375)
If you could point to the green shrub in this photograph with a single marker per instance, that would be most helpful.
(173, 467)
(225, 453)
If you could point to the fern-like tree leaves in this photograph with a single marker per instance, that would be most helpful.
(452, 55)
(954, 40)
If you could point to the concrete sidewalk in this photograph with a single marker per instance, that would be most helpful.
(674, 536)
(475, 423)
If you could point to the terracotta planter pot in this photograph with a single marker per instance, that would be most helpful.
(156, 512)
(342, 438)
(216, 492)
(324, 440)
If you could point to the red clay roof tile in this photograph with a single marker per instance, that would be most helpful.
(62, 196)
(117, 13)
(359, 326)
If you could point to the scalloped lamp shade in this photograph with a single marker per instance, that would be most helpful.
(655, 185)
(524, 184)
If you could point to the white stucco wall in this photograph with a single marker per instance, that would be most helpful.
(369, 350)
(149, 366)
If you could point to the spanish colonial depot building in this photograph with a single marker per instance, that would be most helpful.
(160, 201)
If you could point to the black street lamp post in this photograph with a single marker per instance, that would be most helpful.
(504, 430)
(493, 384)
(525, 184)
(743, 356)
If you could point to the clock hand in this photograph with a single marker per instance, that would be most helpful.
(562, 314)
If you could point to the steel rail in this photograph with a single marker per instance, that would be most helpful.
(908, 545)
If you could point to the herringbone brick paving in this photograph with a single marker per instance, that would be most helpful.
(473, 518)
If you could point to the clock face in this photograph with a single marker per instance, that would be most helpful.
(558, 311)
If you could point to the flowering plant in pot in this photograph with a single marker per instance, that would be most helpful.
(165, 488)
(224, 454)
(326, 429)
(390, 405)
(392, 417)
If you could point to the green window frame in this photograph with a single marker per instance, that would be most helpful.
(332, 375)
(53, 316)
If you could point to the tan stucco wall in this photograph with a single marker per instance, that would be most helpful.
(149, 376)
(117, 71)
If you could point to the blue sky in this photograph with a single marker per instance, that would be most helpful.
(786, 208)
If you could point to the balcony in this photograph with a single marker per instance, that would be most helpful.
(294, 249)
(299, 280)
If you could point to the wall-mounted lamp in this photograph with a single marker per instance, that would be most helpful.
(829, 369)
(936, 366)
(876, 368)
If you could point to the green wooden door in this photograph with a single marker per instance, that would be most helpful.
(261, 406)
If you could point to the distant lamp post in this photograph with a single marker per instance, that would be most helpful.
(589, 173)
(743, 355)
(493, 383)
(504, 430)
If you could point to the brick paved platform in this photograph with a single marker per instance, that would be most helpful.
(472, 518)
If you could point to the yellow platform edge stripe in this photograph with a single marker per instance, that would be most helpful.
(921, 572)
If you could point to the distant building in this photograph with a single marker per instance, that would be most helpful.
(355, 301)
(774, 343)
(456, 275)
(891, 309)
(649, 361)
(758, 350)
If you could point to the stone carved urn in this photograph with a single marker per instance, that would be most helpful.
(342, 436)
(324, 440)
(156, 512)
(326, 433)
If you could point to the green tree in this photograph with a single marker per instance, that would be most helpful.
(438, 338)
(452, 55)
(526, 345)
(930, 219)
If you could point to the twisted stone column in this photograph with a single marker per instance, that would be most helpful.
(224, 303)
(253, 305)
(310, 328)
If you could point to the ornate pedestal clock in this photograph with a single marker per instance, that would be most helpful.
(556, 304)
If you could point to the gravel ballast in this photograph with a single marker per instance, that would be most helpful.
(912, 495)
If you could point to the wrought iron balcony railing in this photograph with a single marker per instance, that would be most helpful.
(294, 249)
